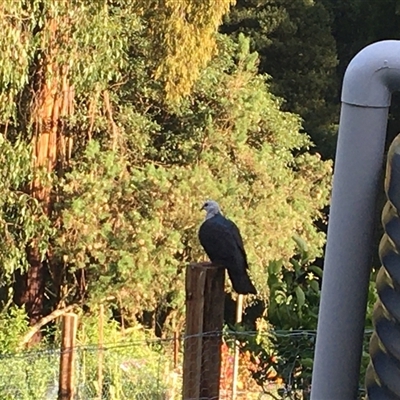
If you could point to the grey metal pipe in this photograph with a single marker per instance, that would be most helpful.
(348, 254)
(369, 81)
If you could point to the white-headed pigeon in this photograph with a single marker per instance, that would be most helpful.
(223, 244)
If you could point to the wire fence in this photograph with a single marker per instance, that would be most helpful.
(272, 365)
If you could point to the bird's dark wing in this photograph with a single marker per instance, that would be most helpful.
(217, 240)
(238, 238)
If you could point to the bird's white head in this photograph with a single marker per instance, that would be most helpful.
(211, 208)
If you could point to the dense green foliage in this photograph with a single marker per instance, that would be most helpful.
(139, 144)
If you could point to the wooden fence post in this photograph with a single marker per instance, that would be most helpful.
(67, 359)
(205, 300)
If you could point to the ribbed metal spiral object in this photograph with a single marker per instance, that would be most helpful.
(383, 372)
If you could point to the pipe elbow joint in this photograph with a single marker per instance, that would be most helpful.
(373, 75)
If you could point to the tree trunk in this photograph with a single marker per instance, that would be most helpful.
(54, 100)
(29, 291)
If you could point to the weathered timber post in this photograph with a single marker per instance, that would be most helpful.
(204, 320)
(67, 359)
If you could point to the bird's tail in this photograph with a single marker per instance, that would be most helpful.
(242, 283)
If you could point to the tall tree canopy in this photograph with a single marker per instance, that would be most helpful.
(182, 35)
(296, 47)
(356, 24)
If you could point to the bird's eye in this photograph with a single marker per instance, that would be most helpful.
(206, 205)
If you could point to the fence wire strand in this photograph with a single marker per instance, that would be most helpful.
(273, 365)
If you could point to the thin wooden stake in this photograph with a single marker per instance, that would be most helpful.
(67, 359)
(176, 349)
(121, 311)
(235, 375)
(100, 360)
(204, 319)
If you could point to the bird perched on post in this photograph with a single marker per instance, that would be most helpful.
(223, 244)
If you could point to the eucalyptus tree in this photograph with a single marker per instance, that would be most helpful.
(59, 60)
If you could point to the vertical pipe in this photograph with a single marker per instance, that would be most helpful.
(348, 254)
